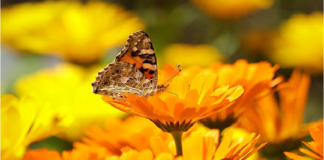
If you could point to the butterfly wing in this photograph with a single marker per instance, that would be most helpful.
(133, 71)
(139, 52)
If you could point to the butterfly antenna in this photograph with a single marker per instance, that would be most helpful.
(173, 74)
(173, 93)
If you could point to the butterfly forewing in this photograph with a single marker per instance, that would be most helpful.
(133, 71)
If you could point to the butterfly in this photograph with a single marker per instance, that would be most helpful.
(134, 71)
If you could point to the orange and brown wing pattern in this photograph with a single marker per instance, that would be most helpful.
(133, 71)
(139, 52)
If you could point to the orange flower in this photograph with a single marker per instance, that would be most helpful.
(207, 147)
(176, 113)
(197, 145)
(280, 126)
(119, 134)
(190, 102)
(42, 154)
(231, 9)
(316, 146)
(255, 78)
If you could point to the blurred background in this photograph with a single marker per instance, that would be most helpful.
(55, 48)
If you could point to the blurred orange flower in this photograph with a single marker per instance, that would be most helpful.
(67, 86)
(75, 31)
(188, 55)
(231, 9)
(193, 101)
(280, 126)
(45, 154)
(42, 154)
(257, 42)
(316, 146)
(300, 43)
(255, 78)
(133, 133)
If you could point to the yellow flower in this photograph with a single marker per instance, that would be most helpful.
(71, 30)
(190, 102)
(68, 86)
(255, 78)
(280, 126)
(316, 146)
(188, 55)
(231, 9)
(26, 121)
(300, 43)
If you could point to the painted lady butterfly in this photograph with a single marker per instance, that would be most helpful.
(133, 71)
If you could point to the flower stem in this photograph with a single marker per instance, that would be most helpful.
(177, 136)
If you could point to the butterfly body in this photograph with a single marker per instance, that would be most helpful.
(133, 71)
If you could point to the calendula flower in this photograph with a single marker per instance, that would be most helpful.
(176, 113)
(197, 145)
(75, 31)
(231, 9)
(42, 154)
(194, 100)
(67, 86)
(26, 121)
(117, 134)
(316, 146)
(188, 55)
(74, 154)
(207, 147)
(45, 154)
(300, 43)
(255, 78)
(281, 125)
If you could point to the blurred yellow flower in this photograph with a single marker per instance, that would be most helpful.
(74, 31)
(188, 55)
(300, 43)
(69, 86)
(191, 101)
(231, 9)
(280, 126)
(316, 146)
(255, 78)
(26, 121)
